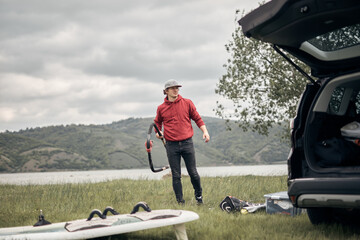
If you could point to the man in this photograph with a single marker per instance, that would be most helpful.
(176, 114)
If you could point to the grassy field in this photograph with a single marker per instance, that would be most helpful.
(20, 205)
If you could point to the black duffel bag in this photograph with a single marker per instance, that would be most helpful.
(334, 152)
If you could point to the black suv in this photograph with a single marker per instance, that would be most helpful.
(324, 161)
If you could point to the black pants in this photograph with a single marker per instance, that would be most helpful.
(185, 149)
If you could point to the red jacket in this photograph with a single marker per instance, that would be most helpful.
(176, 117)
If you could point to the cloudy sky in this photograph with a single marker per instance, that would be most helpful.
(99, 61)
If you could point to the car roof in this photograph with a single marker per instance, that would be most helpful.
(325, 34)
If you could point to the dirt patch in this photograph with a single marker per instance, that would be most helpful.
(257, 156)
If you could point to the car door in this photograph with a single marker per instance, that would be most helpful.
(323, 34)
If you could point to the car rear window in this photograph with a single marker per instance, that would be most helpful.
(341, 38)
(357, 103)
(336, 98)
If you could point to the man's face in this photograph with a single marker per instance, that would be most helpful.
(172, 92)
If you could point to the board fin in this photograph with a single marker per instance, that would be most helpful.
(41, 221)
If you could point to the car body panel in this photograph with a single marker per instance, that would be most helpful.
(289, 24)
(325, 192)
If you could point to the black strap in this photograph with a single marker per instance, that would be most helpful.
(103, 214)
(148, 145)
(110, 209)
(96, 212)
(144, 205)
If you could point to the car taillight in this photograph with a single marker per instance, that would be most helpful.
(292, 199)
(292, 123)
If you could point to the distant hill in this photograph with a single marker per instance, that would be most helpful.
(120, 145)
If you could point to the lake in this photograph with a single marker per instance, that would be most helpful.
(135, 174)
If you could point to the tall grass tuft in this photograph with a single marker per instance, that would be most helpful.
(20, 205)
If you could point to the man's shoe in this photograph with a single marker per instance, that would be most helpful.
(181, 202)
(199, 200)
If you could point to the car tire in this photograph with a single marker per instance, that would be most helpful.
(320, 215)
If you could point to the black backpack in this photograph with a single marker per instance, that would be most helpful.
(232, 204)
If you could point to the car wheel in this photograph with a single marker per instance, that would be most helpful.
(320, 215)
(347, 216)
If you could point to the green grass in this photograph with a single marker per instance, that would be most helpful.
(20, 205)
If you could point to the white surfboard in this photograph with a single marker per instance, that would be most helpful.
(111, 225)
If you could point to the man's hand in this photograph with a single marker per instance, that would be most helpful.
(206, 135)
(158, 136)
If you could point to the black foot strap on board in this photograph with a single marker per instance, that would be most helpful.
(103, 214)
(110, 209)
(144, 205)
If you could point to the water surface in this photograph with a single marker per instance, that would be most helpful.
(135, 174)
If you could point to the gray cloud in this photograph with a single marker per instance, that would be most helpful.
(82, 61)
